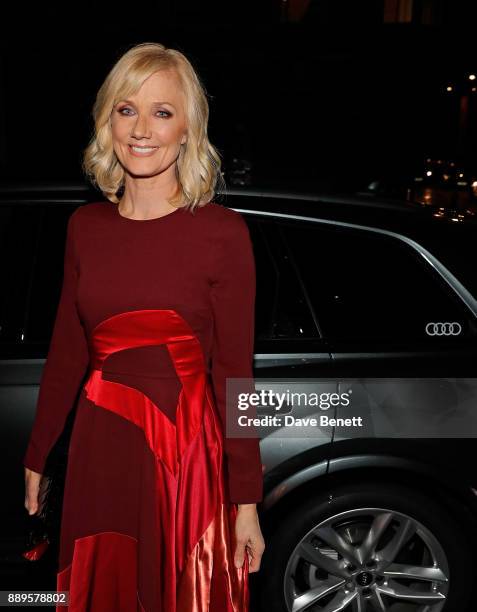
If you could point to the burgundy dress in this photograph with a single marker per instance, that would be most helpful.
(154, 315)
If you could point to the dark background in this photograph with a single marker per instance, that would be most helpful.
(314, 94)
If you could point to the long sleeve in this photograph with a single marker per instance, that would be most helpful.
(65, 364)
(233, 303)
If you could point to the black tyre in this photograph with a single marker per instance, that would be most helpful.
(369, 547)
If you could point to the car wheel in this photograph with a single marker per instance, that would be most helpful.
(368, 548)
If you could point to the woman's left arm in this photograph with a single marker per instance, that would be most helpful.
(233, 301)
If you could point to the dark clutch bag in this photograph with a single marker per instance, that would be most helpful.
(43, 528)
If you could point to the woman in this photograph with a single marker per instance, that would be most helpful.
(159, 508)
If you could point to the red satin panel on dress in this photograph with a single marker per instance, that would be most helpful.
(195, 535)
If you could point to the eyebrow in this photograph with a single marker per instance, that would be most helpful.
(154, 103)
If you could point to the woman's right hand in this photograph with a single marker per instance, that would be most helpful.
(32, 488)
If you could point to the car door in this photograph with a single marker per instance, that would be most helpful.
(397, 329)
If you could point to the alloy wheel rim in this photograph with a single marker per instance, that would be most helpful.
(367, 560)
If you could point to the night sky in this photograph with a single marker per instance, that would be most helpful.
(334, 100)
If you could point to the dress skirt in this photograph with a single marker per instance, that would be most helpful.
(146, 523)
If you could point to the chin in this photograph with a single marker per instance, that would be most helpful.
(136, 173)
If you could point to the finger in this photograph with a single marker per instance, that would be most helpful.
(255, 558)
(239, 554)
(31, 503)
(31, 508)
(250, 562)
(254, 564)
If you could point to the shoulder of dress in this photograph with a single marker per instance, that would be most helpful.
(224, 216)
(87, 216)
(91, 209)
(227, 228)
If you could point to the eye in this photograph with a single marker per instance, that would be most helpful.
(166, 114)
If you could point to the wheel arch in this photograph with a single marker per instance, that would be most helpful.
(459, 501)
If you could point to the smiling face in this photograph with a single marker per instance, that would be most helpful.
(149, 127)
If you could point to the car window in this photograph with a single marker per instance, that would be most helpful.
(18, 239)
(281, 310)
(370, 287)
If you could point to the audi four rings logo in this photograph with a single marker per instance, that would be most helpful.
(443, 329)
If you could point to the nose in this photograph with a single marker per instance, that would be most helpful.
(141, 127)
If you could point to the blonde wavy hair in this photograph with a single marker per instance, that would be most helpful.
(198, 167)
